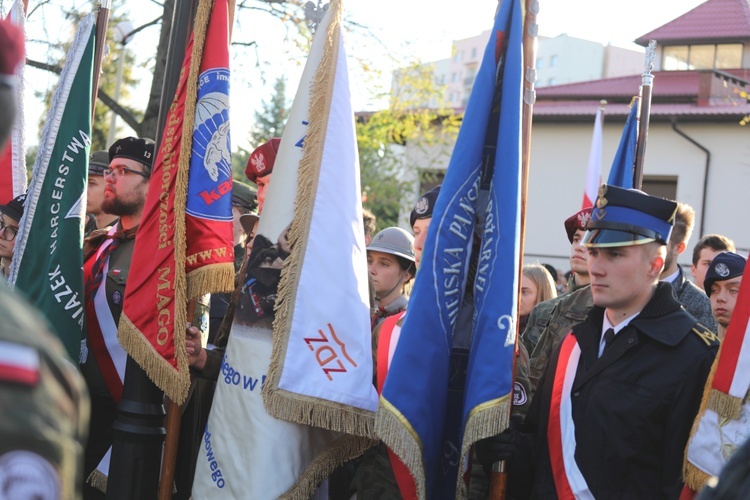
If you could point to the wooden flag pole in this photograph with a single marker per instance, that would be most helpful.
(102, 20)
(644, 114)
(499, 478)
(172, 425)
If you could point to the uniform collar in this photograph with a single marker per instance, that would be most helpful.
(657, 320)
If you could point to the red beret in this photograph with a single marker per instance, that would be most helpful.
(11, 47)
(577, 221)
(262, 159)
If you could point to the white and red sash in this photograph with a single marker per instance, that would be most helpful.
(561, 435)
(109, 355)
(390, 331)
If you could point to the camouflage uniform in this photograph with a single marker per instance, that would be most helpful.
(45, 413)
(548, 324)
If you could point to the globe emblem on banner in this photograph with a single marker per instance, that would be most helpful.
(210, 185)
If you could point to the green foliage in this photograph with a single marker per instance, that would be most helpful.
(415, 116)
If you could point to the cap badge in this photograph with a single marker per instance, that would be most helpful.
(598, 214)
(117, 149)
(722, 270)
(583, 219)
(258, 162)
(422, 206)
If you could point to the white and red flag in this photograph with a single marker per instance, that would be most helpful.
(594, 170)
(13, 180)
(723, 422)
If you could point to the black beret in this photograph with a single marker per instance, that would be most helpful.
(244, 196)
(14, 208)
(133, 148)
(98, 162)
(424, 206)
(725, 266)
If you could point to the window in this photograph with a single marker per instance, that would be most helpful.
(663, 186)
(454, 77)
(684, 57)
(474, 53)
(552, 61)
(430, 178)
(729, 56)
(552, 81)
(702, 56)
(675, 58)
(539, 62)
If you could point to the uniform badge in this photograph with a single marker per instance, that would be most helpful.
(601, 200)
(422, 206)
(24, 474)
(583, 219)
(519, 394)
(722, 270)
(116, 297)
(259, 162)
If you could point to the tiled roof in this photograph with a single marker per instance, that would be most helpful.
(551, 110)
(671, 85)
(714, 20)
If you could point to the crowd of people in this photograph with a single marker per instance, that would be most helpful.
(611, 371)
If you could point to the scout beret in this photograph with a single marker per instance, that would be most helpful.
(98, 162)
(577, 221)
(14, 208)
(725, 266)
(624, 217)
(262, 159)
(424, 206)
(133, 148)
(244, 196)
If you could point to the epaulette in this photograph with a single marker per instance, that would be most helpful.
(706, 335)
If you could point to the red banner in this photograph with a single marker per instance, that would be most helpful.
(184, 245)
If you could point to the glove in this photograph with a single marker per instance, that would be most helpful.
(502, 446)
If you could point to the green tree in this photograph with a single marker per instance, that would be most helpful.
(270, 120)
(415, 116)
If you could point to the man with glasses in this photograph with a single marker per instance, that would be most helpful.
(10, 216)
(107, 256)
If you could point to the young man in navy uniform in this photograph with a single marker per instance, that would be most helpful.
(613, 412)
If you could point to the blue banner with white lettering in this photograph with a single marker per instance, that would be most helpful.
(623, 166)
(473, 240)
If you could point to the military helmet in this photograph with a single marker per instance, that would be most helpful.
(394, 241)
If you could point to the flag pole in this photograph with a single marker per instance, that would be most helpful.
(102, 20)
(499, 477)
(644, 114)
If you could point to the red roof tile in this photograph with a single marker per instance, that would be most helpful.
(714, 20)
(670, 85)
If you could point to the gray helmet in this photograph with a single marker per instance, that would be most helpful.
(394, 241)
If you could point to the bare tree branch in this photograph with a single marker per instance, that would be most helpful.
(120, 111)
(143, 27)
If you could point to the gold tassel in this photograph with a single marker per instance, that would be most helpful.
(98, 480)
(725, 405)
(342, 450)
(393, 429)
(485, 420)
(693, 477)
(213, 278)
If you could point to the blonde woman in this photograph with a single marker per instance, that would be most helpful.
(536, 286)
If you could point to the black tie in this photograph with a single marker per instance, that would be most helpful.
(609, 336)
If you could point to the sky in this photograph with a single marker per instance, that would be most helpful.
(406, 31)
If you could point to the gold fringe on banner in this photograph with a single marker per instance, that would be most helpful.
(395, 431)
(175, 384)
(485, 420)
(278, 402)
(342, 450)
(98, 480)
(724, 404)
(693, 477)
(213, 278)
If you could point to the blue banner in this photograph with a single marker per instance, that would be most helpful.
(621, 173)
(473, 235)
